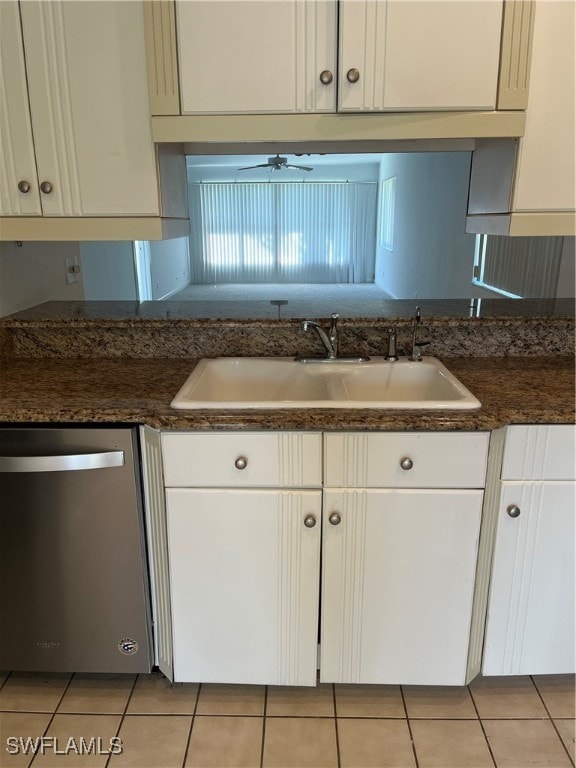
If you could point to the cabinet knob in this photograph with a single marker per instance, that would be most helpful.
(46, 187)
(406, 463)
(326, 77)
(513, 510)
(24, 187)
(334, 519)
(309, 521)
(241, 462)
(352, 75)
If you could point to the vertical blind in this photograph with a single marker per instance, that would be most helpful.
(281, 232)
(524, 266)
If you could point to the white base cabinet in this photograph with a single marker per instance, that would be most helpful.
(397, 585)
(244, 569)
(247, 520)
(399, 555)
(244, 520)
(530, 627)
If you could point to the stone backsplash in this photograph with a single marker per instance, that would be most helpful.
(75, 333)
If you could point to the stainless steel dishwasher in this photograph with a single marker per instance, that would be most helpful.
(74, 593)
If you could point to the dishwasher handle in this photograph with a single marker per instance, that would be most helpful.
(63, 463)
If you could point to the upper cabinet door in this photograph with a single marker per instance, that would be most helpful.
(257, 57)
(91, 127)
(412, 55)
(547, 151)
(19, 193)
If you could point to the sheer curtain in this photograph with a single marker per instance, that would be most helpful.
(280, 232)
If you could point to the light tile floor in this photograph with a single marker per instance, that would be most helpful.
(514, 722)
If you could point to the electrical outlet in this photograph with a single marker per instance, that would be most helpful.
(72, 269)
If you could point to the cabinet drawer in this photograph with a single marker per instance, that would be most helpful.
(406, 460)
(242, 459)
(539, 453)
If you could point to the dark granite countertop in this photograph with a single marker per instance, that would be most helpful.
(512, 390)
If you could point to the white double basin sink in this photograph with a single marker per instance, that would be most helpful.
(282, 382)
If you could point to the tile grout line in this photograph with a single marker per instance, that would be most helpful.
(5, 679)
(53, 715)
(409, 726)
(264, 726)
(123, 714)
(192, 721)
(552, 719)
(338, 758)
(481, 724)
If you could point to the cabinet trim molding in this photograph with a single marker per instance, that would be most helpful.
(87, 228)
(157, 540)
(560, 223)
(161, 57)
(297, 547)
(339, 127)
(341, 631)
(516, 54)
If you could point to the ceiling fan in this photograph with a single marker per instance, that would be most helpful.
(276, 163)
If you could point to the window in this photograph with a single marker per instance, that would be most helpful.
(275, 232)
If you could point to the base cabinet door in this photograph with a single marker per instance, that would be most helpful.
(398, 581)
(244, 575)
(530, 626)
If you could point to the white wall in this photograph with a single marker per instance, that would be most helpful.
(432, 256)
(169, 266)
(34, 273)
(109, 271)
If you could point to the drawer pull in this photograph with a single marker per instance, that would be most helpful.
(406, 463)
(334, 519)
(513, 510)
(353, 75)
(309, 521)
(241, 462)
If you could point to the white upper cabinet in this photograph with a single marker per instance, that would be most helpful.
(286, 56)
(406, 55)
(239, 56)
(546, 156)
(19, 192)
(530, 189)
(75, 137)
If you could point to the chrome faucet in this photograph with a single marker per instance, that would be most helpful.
(330, 339)
(392, 354)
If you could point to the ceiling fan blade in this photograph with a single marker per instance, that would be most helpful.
(250, 167)
(299, 167)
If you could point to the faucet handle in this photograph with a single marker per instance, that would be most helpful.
(416, 355)
(333, 332)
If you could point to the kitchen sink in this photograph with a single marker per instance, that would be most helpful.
(282, 382)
